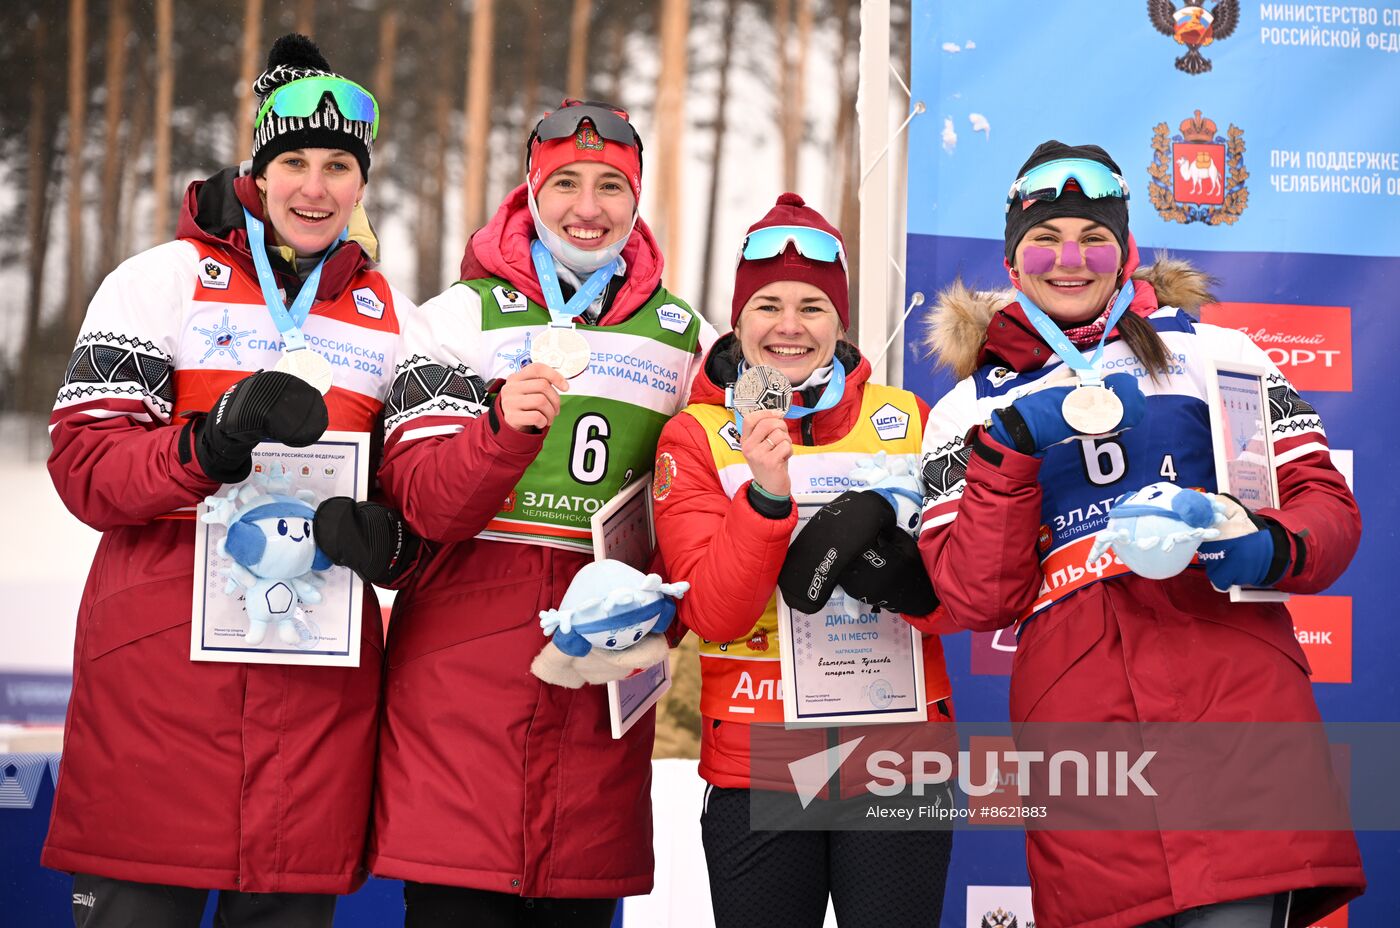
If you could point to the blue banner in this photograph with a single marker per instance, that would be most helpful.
(1260, 143)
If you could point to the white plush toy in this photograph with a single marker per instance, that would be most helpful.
(1155, 531)
(896, 480)
(608, 625)
(275, 558)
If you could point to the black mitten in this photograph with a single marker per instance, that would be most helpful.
(890, 574)
(266, 406)
(370, 539)
(830, 540)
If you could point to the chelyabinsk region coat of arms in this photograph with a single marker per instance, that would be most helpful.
(1198, 176)
(1195, 28)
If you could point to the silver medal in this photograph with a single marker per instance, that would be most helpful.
(762, 387)
(1092, 409)
(564, 349)
(307, 364)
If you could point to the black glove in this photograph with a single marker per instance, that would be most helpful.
(266, 406)
(370, 539)
(890, 574)
(834, 537)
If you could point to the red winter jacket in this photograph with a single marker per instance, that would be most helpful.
(227, 776)
(1130, 649)
(488, 777)
(731, 555)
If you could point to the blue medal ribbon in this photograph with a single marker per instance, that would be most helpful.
(560, 313)
(835, 387)
(1087, 368)
(289, 321)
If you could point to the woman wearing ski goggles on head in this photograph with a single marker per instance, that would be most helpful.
(183, 776)
(533, 394)
(1012, 541)
(724, 493)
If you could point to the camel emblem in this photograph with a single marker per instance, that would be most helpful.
(1202, 169)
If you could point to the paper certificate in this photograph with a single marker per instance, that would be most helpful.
(623, 531)
(1244, 457)
(849, 664)
(246, 607)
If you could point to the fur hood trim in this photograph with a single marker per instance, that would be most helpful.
(956, 326)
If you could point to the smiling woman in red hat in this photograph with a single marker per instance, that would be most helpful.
(724, 516)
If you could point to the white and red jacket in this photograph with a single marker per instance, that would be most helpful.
(1004, 537)
(488, 777)
(229, 776)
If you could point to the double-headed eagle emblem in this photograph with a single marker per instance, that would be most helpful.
(1195, 28)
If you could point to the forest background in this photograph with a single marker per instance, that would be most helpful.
(115, 106)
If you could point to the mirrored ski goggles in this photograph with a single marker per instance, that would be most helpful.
(1047, 181)
(301, 98)
(813, 244)
(564, 122)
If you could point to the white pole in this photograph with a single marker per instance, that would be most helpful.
(872, 111)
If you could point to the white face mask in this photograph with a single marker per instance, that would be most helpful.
(571, 256)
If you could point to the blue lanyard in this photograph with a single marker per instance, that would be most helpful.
(835, 387)
(289, 322)
(561, 313)
(1087, 368)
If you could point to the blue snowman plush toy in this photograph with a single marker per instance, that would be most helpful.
(609, 624)
(275, 558)
(1156, 530)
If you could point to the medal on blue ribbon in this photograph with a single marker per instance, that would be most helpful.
(1090, 408)
(298, 359)
(764, 387)
(561, 345)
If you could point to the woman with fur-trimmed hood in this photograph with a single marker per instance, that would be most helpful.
(1016, 496)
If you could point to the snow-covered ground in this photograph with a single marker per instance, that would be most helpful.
(44, 558)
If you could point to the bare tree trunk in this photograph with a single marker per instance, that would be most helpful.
(845, 144)
(782, 32)
(670, 130)
(110, 194)
(383, 88)
(433, 189)
(37, 208)
(476, 124)
(617, 47)
(136, 136)
(534, 29)
(165, 87)
(731, 10)
(306, 17)
(578, 48)
(792, 143)
(77, 120)
(247, 73)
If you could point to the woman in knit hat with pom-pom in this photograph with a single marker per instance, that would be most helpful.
(184, 776)
(724, 489)
(1029, 478)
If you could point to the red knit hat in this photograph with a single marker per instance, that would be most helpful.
(827, 276)
(546, 157)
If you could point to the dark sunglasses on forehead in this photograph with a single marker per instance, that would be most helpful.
(608, 122)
